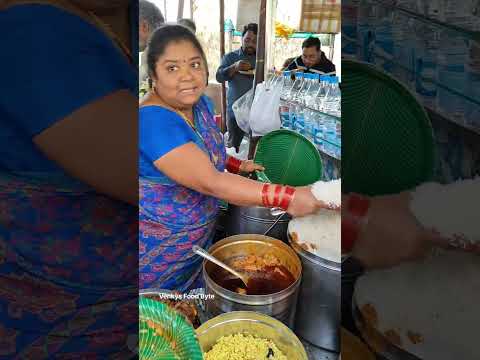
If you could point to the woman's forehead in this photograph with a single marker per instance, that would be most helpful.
(183, 49)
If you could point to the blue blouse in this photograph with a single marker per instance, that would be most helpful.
(41, 85)
(161, 131)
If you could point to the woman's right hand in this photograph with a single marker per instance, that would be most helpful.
(304, 203)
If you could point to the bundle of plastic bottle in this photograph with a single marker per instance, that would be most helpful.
(310, 105)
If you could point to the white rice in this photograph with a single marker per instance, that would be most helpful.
(329, 192)
(449, 209)
(319, 234)
(436, 298)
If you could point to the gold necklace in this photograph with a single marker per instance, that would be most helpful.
(177, 111)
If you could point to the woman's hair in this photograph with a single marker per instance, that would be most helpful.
(164, 36)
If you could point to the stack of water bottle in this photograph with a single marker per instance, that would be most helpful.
(311, 106)
(438, 63)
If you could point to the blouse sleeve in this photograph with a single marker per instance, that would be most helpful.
(161, 131)
(54, 63)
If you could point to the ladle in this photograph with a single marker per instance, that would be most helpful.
(199, 251)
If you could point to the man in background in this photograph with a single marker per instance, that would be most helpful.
(236, 68)
(312, 60)
(188, 23)
(150, 17)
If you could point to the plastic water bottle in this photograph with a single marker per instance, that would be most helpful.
(297, 85)
(384, 39)
(452, 75)
(310, 103)
(301, 113)
(300, 109)
(349, 28)
(472, 111)
(284, 100)
(426, 65)
(318, 121)
(311, 95)
(318, 135)
(292, 99)
(332, 98)
(366, 31)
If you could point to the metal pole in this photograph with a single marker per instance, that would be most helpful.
(260, 62)
(222, 53)
(260, 65)
(181, 4)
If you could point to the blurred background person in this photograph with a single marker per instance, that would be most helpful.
(189, 23)
(243, 59)
(312, 60)
(150, 17)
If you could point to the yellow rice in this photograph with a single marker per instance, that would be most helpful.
(244, 347)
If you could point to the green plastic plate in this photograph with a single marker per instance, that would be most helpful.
(177, 340)
(289, 159)
(387, 135)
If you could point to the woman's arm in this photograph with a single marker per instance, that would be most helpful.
(97, 144)
(189, 166)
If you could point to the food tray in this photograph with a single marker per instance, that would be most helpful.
(248, 72)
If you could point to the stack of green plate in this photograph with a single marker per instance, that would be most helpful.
(289, 159)
(387, 135)
(175, 338)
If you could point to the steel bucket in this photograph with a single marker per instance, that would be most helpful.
(281, 305)
(257, 220)
(318, 319)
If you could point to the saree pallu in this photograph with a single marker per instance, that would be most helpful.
(166, 258)
(68, 277)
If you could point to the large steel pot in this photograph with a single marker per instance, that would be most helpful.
(318, 316)
(257, 220)
(281, 305)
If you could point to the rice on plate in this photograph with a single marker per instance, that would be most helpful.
(320, 233)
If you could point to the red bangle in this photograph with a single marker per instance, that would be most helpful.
(265, 190)
(350, 234)
(287, 197)
(233, 165)
(358, 205)
(276, 199)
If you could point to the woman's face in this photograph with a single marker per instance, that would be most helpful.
(180, 75)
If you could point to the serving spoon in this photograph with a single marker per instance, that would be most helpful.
(199, 251)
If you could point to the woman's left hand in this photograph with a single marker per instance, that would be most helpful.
(249, 166)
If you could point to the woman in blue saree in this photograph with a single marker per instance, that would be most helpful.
(68, 180)
(181, 166)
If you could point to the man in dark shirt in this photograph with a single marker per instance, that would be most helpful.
(312, 60)
(234, 69)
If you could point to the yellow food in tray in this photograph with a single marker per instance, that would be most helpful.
(244, 347)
